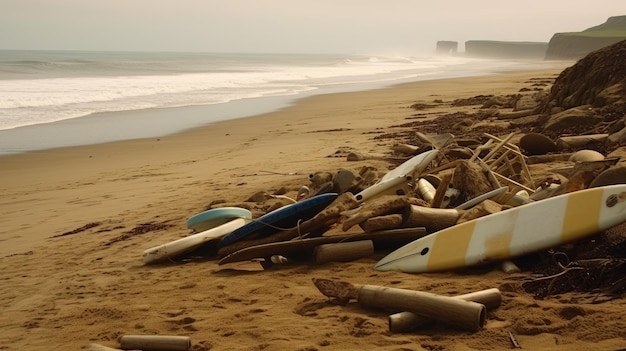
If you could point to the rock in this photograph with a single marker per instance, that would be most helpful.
(260, 196)
(320, 178)
(342, 181)
(613, 175)
(537, 144)
(617, 138)
(573, 118)
(597, 74)
(526, 102)
(586, 156)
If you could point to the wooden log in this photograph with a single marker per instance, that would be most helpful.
(392, 221)
(405, 149)
(98, 347)
(432, 218)
(465, 314)
(403, 322)
(485, 208)
(578, 141)
(509, 267)
(155, 342)
(343, 252)
(442, 188)
(383, 205)
(535, 159)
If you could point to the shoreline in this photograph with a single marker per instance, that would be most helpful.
(66, 286)
(293, 125)
(114, 126)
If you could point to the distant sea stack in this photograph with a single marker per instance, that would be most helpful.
(506, 49)
(445, 47)
(575, 45)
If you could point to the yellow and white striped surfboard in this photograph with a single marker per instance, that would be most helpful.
(514, 232)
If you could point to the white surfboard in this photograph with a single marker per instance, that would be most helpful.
(396, 180)
(215, 217)
(514, 232)
(180, 246)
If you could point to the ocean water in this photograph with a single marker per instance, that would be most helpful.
(63, 98)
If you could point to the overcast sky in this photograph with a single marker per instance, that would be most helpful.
(289, 26)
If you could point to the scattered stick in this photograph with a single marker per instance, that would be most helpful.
(343, 252)
(403, 322)
(465, 314)
(514, 341)
(98, 347)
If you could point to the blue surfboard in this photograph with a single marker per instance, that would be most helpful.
(284, 217)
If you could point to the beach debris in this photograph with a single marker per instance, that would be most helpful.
(594, 266)
(537, 144)
(79, 230)
(320, 222)
(514, 341)
(471, 180)
(576, 142)
(586, 156)
(98, 347)
(433, 219)
(464, 314)
(301, 249)
(303, 192)
(155, 342)
(404, 322)
(343, 251)
(342, 181)
(612, 175)
(391, 221)
(509, 267)
(139, 229)
(485, 208)
(382, 205)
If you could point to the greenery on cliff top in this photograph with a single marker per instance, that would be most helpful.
(614, 27)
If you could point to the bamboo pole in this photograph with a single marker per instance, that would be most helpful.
(98, 347)
(432, 218)
(343, 252)
(403, 322)
(440, 193)
(155, 342)
(464, 314)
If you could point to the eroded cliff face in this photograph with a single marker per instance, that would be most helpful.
(572, 46)
(565, 46)
(505, 49)
(598, 80)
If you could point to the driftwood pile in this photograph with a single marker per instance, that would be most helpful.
(444, 194)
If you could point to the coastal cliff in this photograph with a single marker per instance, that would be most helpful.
(575, 45)
(506, 49)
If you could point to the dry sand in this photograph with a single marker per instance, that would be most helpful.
(64, 292)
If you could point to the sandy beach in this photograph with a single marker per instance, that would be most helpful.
(62, 290)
